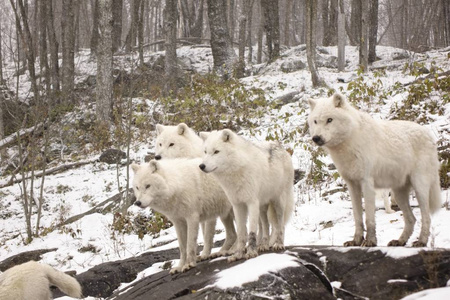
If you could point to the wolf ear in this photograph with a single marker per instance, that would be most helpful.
(182, 128)
(312, 103)
(339, 100)
(203, 135)
(159, 129)
(227, 135)
(153, 165)
(135, 167)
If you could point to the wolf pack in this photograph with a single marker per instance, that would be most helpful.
(196, 179)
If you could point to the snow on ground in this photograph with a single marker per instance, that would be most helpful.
(319, 218)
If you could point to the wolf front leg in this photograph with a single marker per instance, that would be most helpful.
(230, 231)
(191, 247)
(369, 200)
(181, 230)
(253, 220)
(208, 230)
(240, 213)
(356, 197)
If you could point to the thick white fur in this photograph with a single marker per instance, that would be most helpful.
(177, 141)
(180, 141)
(32, 280)
(371, 154)
(178, 189)
(254, 177)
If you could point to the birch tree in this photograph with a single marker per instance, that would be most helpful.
(104, 62)
(311, 17)
(225, 58)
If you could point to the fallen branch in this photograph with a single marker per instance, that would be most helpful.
(99, 208)
(51, 171)
(12, 138)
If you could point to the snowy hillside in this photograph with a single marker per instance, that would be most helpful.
(323, 214)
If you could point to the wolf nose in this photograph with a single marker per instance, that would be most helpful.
(318, 140)
(138, 203)
(202, 167)
(158, 157)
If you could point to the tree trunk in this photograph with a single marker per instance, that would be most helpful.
(355, 23)
(364, 38)
(68, 48)
(240, 70)
(170, 31)
(373, 30)
(130, 41)
(287, 20)
(271, 27)
(249, 33)
(53, 43)
(221, 46)
(104, 62)
(341, 37)
(197, 20)
(25, 35)
(140, 30)
(94, 35)
(1, 61)
(43, 44)
(117, 24)
(311, 17)
(260, 34)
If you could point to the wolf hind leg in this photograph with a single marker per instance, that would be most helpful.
(402, 197)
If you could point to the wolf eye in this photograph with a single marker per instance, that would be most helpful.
(147, 186)
(171, 144)
(329, 120)
(315, 122)
(137, 188)
(160, 144)
(217, 151)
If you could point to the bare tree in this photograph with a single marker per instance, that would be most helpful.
(117, 26)
(68, 48)
(354, 30)
(170, 30)
(243, 18)
(132, 35)
(373, 30)
(225, 58)
(95, 20)
(104, 62)
(364, 37)
(271, 27)
(43, 58)
(1, 58)
(341, 37)
(53, 44)
(311, 17)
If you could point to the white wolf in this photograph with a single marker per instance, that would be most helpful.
(177, 141)
(180, 141)
(256, 179)
(32, 280)
(371, 154)
(186, 196)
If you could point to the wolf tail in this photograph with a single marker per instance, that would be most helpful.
(435, 201)
(64, 282)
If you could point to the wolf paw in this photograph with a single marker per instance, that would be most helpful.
(175, 270)
(203, 257)
(238, 255)
(396, 243)
(251, 253)
(353, 243)
(277, 247)
(263, 248)
(367, 243)
(419, 244)
(187, 267)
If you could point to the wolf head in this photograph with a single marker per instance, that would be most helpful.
(177, 141)
(219, 150)
(149, 185)
(331, 121)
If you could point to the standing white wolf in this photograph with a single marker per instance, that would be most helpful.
(371, 154)
(180, 141)
(177, 141)
(32, 280)
(256, 179)
(186, 196)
